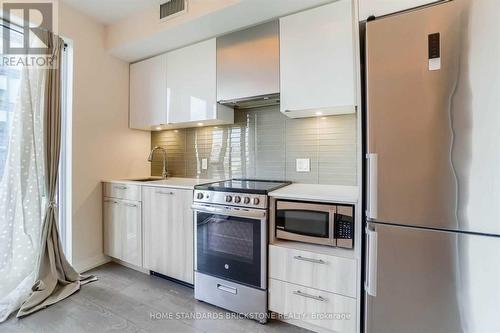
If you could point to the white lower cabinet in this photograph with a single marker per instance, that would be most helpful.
(122, 230)
(320, 308)
(325, 272)
(316, 291)
(168, 232)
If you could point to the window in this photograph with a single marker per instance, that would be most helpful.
(64, 190)
(10, 79)
(9, 90)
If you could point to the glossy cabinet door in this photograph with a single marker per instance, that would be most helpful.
(191, 85)
(112, 232)
(131, 232)
(376, 8)
(168, 232)
(122, 230)
(148, 93)
(317, 61)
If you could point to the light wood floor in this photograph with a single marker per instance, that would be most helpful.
(125, 300)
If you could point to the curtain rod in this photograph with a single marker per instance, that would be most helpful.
(8, 25)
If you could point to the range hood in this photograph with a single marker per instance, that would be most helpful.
(252, 102)
(248, 67)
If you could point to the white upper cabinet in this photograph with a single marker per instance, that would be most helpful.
(148, 93)
(368, 8)
(191, 86)
(177, 89)
(317, 61)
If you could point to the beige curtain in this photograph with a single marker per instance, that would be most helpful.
(56, 279)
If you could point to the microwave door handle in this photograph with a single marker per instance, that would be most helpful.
(333, 213)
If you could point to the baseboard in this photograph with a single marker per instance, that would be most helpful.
(136, 268)
(90, 263)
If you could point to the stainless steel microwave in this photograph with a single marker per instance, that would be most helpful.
(316, 223)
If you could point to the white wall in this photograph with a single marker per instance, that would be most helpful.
(103, 146)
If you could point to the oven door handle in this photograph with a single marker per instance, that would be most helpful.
(249, 213)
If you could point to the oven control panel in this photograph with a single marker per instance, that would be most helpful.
(231, 199)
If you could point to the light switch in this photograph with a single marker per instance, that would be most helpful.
(303, 165)
(204, 164)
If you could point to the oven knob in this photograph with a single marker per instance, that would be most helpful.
(246, 200)
(237, 199)
(229, 198)
(199, 196)
(256, 201)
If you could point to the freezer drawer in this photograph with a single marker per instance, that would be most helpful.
(420, 280)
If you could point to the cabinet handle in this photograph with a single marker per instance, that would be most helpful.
(372, 185)
(317, 298)
(120, 187)
(168, 193)
(371, 262)
(130, 205)
(111, 201)
(315, 261)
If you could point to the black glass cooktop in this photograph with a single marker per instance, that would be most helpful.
(253, 186)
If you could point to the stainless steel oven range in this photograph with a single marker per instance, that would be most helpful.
(231, 221)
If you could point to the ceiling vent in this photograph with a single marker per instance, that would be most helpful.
(172, 8)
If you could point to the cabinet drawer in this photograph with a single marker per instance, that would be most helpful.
(122, 191)
(330, 311)
(324, 272)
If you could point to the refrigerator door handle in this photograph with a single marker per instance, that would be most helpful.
(371, 206)
(371, 270)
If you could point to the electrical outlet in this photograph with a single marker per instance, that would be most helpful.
(303, 165)
(204, 164)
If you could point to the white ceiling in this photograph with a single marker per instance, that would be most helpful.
(204, 19)
(111, 11)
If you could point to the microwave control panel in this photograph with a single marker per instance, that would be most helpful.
(344, 230)
(344, 226)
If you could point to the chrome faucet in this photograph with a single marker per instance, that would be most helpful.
(164, 172)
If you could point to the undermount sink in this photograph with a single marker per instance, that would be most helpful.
(150, 179)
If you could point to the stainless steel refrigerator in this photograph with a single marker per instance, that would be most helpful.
(433, 169)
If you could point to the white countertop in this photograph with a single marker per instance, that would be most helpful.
(317, 192)
(172, 182)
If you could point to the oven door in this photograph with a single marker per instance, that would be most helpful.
(231, 243)
(305, 222)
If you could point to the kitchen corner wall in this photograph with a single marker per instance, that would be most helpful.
(103, 147)
(264, 144)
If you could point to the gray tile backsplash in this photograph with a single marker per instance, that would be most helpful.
(263, 143)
